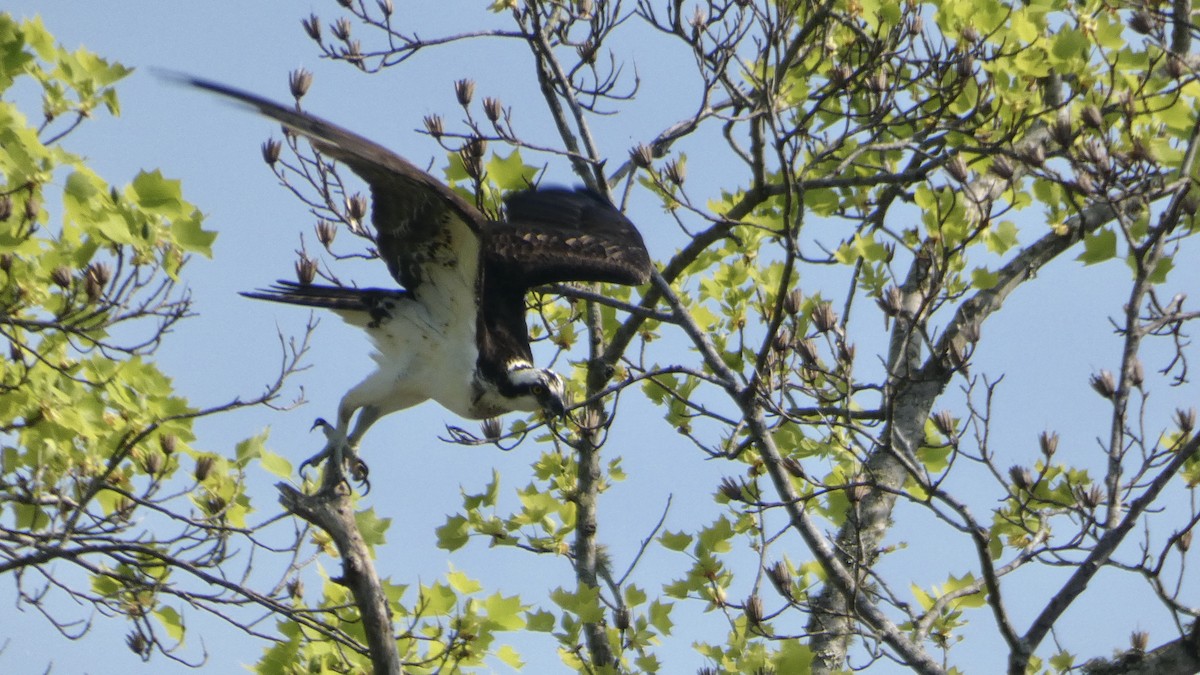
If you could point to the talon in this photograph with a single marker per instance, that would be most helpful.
(362, 478)
(360, 471)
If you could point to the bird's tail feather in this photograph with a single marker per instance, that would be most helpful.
(336, 298)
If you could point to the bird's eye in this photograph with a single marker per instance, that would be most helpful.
(538, 390)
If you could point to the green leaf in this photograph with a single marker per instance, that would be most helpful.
(634, 596)
(1062, 661)
(171, 621)
(660, 616)
(250, 449)
(510, 173)
(504, 613)
(510, 657)
(454, 534)
(716, 537)
(1068, 44)
(540, 621)
(438, 599)
(647, 663)
(275, 463)
(584, 603)
(462, 583)
(190, 236)
(153, 192)
(371, 527)
(982, 279)
(1098, 247)
(678, 541)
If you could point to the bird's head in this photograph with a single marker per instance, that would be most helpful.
(538, 389)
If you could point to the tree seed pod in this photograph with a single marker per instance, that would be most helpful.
(1141, 22)
(732, 490)
(386, 7)
(153, 463)
(433, 125)
(100, 272)
(353, 52)
(621, 618)
(782, 341)
(138, 644)
(204, 466)
(676, 172)
(326, 232)
(356, 207)
(846, 353)
(1048, 442)
(492, 108)
(167, 443)
(295, 588)
(781, 578)
(1186, 419)
(1139, 640)
(1084, 184)
(306, 270)
(944, 421)
(957, 168)
(840, 75)
(341, 29)
(807, 349)
(1034, 155)
(641, 156)
(464, 91)
(299, 81)
(1184, 542)
(1137, 373)
(1020, 476)
(793, 302)
(753, 608)
(1090, 496)
(312, 26)
(62, 277)
(1092, 117)
(93, 290)
(1061, 130)
(1176, 68)
(1003, 167)
(33, 206)
(270, 151)
(793, 466)
(824, 317)
(1104, 384)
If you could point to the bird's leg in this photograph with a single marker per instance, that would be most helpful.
(367, 416)
(340, 450)
(335, 443)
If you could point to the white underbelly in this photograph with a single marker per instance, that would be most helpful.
(434, 357)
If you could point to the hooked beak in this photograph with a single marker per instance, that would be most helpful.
(554, 407)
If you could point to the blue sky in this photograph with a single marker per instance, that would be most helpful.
(231, 349)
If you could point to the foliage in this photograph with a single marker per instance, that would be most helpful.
(106, 497)
(910, 164)
(852, 165)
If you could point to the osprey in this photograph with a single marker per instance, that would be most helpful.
(455, 331)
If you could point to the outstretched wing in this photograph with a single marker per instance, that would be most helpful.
(556, 234)
(427, 234)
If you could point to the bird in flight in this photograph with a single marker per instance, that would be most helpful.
(455, 330)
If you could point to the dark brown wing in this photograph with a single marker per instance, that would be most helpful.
(427, 234)
(556, 234)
